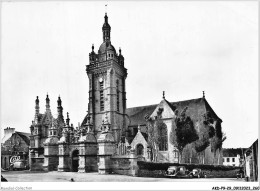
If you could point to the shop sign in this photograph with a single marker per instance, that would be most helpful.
(13, 159)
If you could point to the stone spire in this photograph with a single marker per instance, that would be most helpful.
(68, 120)
(92, 55)
(48, 109)
(120, 57)
(37, 108)
(106, 30)
(60, 110)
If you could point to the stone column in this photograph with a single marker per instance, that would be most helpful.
(88, 153)
(106, 145)
(63, 158)
(37, 141)
(31, 156)
(82, 159)
(133, 163)
(51, 157)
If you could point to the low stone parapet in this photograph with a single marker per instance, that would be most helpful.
(125, 165)
(37, 164)
(150, 169)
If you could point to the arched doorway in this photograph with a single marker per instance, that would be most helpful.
(140, 150)
(75, 161)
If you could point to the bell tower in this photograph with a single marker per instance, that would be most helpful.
(107, 94)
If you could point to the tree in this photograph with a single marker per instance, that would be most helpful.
(201, 144)
(218, 139)
(206, 133)
(185, 131)
(210, 134)
(154, 125)
(153, 138)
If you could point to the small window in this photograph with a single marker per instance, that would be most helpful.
(54, 132)
(227, 159)
(233, 159)
(108, 55)
(112, 55)
(176, 154)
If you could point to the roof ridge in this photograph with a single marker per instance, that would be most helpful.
(24, 137)
(166, 100)
(142, 106)
(21, 132)
(207, 106)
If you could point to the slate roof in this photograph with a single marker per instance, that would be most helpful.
(254, 145)
(137, 114)
(145, 136)
(230, 152)
(6, 137)
(106, 46)
(196, 108)
(24, 136)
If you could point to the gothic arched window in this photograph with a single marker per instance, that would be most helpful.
(139, 149)
(163, 137)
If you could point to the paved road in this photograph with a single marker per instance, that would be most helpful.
(28, 176)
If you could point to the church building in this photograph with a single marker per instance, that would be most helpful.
(57, 145)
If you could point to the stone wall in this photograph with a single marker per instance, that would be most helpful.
(37, 164)
(149, 169)
(210, 173)
(91, 164)
(51, 163)
(125, 165)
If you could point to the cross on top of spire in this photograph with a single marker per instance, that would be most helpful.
(163, 94)
(106, 8)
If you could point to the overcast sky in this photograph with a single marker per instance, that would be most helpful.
(181, 48)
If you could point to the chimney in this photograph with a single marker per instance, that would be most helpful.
(8, 131)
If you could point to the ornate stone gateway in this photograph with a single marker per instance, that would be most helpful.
(75, 151)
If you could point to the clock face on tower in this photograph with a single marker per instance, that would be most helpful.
(100, 79)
